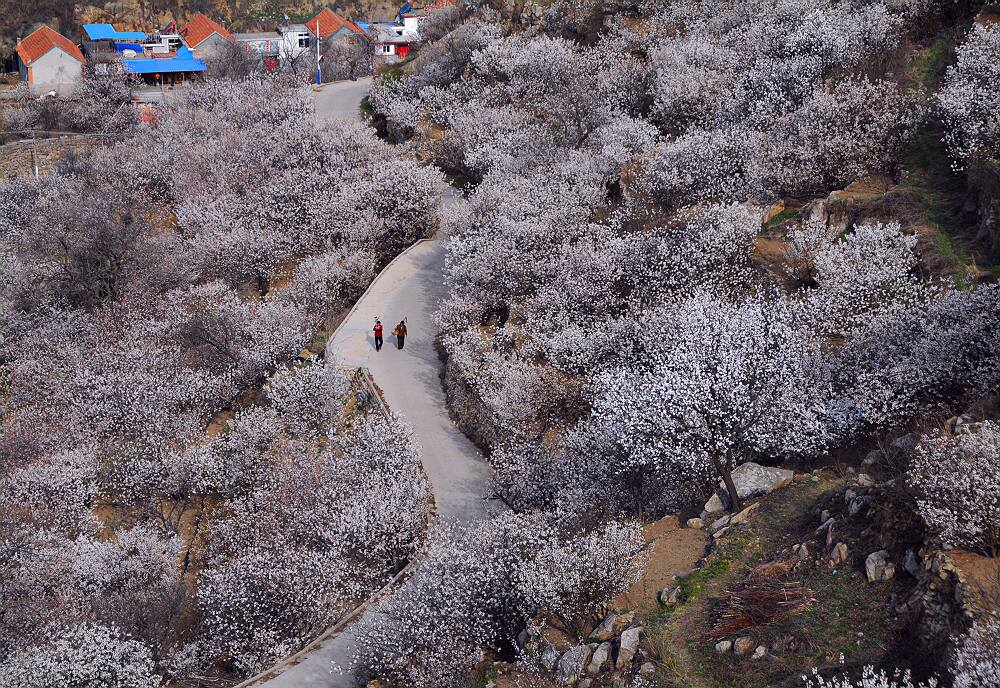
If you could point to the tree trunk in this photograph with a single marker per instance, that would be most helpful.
(726, 474)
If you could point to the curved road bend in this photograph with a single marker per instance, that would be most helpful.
(341, 99)
(410, 287)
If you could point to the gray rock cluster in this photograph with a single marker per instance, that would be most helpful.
(610, 656)
(744, 646)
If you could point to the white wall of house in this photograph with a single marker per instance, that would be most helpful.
(294, 42)
(55, 70)
(411, 26)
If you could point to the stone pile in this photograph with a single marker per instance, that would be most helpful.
(610, 658)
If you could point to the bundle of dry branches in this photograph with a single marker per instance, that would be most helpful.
(763, 598)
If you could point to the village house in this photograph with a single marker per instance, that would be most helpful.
(392, 43)
(206, 38)
(328, 25)
(48, 61)
(280, 46)
(396, 40)
(157, 59)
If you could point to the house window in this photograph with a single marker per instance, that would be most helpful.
(387, 50)
(303, 41)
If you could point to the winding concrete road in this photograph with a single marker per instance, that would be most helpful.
(409, 288)
(341, 99)
(410, 378)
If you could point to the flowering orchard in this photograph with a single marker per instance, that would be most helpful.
(182, 493)
(621, 330)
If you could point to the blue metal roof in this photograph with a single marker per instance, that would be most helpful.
(106, 32)
(184, 62)
(363, 25)
(122, 47)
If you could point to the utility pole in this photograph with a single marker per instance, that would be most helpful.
(319, 77)
(34, 154)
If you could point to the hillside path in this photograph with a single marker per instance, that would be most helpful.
(410, 287)
(341, 99)
(410, 378)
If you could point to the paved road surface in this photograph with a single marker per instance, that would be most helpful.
(342, 100)
(410, 287)
(410, 378)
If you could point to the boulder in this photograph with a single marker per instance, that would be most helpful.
(878, 567)
(668, 596)
(719, 523)
(695, 523)
(585, 683)
(550, 657)
(865, 480)
(759, 653)
(714, 505)
(801, 551)
(856, 505)
(873, 458)
(628, 647)
(955, 423)
(743, 646)
(606, 629)
(838, 554)
(723, 646)
(753, 480)
(600, 658)
(573, 663)
(647, 669)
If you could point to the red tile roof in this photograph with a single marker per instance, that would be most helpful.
(41, 41)
(201, 27)
(330, 22)
(440, 4)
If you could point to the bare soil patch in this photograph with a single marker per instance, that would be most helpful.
(672, 550)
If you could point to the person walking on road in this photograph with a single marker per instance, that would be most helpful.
(378, 334)
(400, 333)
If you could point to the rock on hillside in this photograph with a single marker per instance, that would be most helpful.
(751, 480)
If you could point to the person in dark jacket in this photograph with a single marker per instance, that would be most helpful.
(378, 335)
(400, 333)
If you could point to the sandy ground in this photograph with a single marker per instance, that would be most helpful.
(672, 550)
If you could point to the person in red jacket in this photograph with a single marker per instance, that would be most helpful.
(378, 335)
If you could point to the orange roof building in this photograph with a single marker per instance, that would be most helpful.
(201, 28)
(49, 61)
(332, 24)
(206, 37)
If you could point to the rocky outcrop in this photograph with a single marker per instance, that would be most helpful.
(752, 480)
